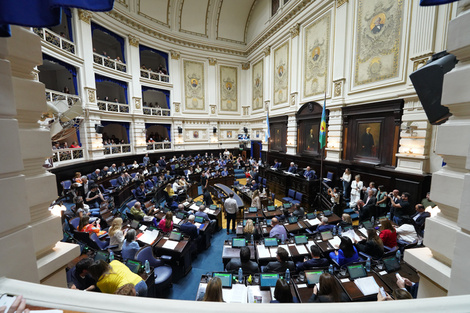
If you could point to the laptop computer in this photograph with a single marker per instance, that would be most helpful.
(252, 210)
(175, 235)
(271, 208)
(391, 264)
(199, 219)
(311, 216)
(226, 279)
(268, 222)
(293, 219)
(367, 225)
(180, 215)
(199, 203)
(270, 242)
(101, 255)
(346, 228)
(326, 235)
(300, 239)
(266, 281)
(287, 205)
(238, 242)
(313, 277)
(213, 207)
(133, 265)
(134, 224)
(356, 271)
(327, 213)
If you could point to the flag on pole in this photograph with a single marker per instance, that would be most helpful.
(322, 137)
(268, 133)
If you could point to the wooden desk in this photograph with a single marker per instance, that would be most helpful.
(181, 255)
(406, 271)
(229, 253)
(227, 191)
(324, 246)
(271, 214)
(259, 214)
(296, 227)
(355, 294)
(236, 294)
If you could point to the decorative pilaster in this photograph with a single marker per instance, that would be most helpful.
(291, 135)
(133, 41)
(267, 51)
(294, 30)
(338, 88)
(175, 55)
(212, 61)
(246, 66)
(84, 15)
(335, 134)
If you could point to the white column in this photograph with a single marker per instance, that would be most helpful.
(133, 65)
(334, 146)
(29, 233)
(291, 134)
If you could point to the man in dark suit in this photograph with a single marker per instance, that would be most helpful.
(254, 185)
(95, 175)
(309, 174)
(162, 162)
(315, 261)
(276, 164)
(292, 168)
(86, 185)
(189, 228)
(141, 193)
(369, 206)
(206, 195)
(122, 180)
(419, 218)
(298, 211)
(248, 266)
(282, 263)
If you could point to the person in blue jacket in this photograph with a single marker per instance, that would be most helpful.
(347, 253)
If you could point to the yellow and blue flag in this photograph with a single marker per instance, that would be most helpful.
(322, 137)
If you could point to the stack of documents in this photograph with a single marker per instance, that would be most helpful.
(148, 236)
(367, 285)
(335, 242)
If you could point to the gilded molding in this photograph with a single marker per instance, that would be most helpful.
(84, 15)
(267, 51)
(294, 30)
(338, 87)
(420, 60)
(340, 2)
(246, 66)
(212, 61)
(133, 40)
(123, 2)
(91, 95)
(175, 55)
(176, 105)
(137, 103)
(213, 108)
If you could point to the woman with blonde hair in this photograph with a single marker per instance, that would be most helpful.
(250, 229)
(214, 290)
(166, 223)
(255, 200)
(346, 220)
(116, 234)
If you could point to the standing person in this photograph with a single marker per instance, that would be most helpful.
(231, 210)
(206, 196)
(356, 187)
(402, 207)
(381, 201)
(146, 160)
(346, 179)
(255, 200)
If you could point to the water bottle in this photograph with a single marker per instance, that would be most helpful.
(288, 276)
(147, 267)
(388, 215)
(330, 269)
(282, 238)
(340, 230)
(111, 256)
(372, 220)
(334, 230)
(252, 240)
(398, 255)
(240, 275)
(368, 265)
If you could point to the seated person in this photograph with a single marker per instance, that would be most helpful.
(282, 293)
(278, 231)
(309, 174)
(250, 230)
(105, 171)
(95, 175)
(347, 253)
(189, 228)
(256, 200)
(124, 179)
(292, 168)
(130, 246)
(244, 262)
(141, 193)
(406, 233)
(419, 218)
(276, 164)
(427, 201)
(315, 261)
(369, 207)
(113, 168)
(166, 223)
(85, 226)
(254, 185)
(324, 226)
(282, 263)
(214, 290)
(388, 234)
(298, 211)
(123, 167)
(329, 291)
(94, 197)
(201, 213)
(137, 211)
(372, 246)
(346, 220)
(79, 276)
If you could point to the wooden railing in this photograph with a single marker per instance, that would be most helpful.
(154, 76)
(60, 156)
(52, 95)
(55, 39)
(116, 149)
(113, 106)
(109, 63)
(156, 111)
(152, 146)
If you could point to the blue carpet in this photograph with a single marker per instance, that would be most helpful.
(207, 261)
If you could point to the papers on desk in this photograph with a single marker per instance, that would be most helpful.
(273, 253)
(170, 244)
(148, 236)
(301, 249)
(314, 221)
(335, 242)
(209, 211)
(255, 295)
(237, 294)
(197, 224)
(363, 231)
(176, 220)
(194, 207)
(352, 235)
(367, 285)
(148, 218)
(143, 227)
(263, 252)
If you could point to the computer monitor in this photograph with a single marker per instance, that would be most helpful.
(300, 239)
(271, 208)
(180, 215)
(101, 255)
(270, 242)
(175, 235)
(199, 219)
(356, 271)
(367, 224)
(252, 210)
(287, 205)
(313, 277)
(267, 281)
(134, 224)
(311, 216)
(199, 203)
(226, 279)
(268, 222)
(133, 265)
(238, 242)
(292, 219)
(213, 207)
(346, 228)
(326, 235)
(327, 213)
(391, 264)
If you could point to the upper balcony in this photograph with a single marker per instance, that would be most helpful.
(109, 63)
(154, 76)
(113, 106)
(54, 39)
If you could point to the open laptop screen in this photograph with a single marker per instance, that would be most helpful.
(367, 224)
(356, 271)
(326, 235)
(311, 216)
(213, 207)
(270, 242)
(300, 240)
(134, 266)
(199, 219)
(226, 279)
(287, 205)
(327, 213)
(313, 277)
(391, 264)
(175, 235)
(268, 280)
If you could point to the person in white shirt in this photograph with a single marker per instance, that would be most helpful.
(231, 210)
(346, 178)
(407, 232)
(356, 187)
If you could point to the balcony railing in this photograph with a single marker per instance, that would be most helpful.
(154, 76)
(151, 146)
(52, 95)
(108, 62)
(113, 106)
(60, 156)
(156, 111)
(116, 149)
(55, 39)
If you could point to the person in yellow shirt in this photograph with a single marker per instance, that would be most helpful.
(110, 277)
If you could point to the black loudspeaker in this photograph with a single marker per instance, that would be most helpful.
(245, 130)
(99, 128)
(428, 82)
(180, 130)
(214, 130)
